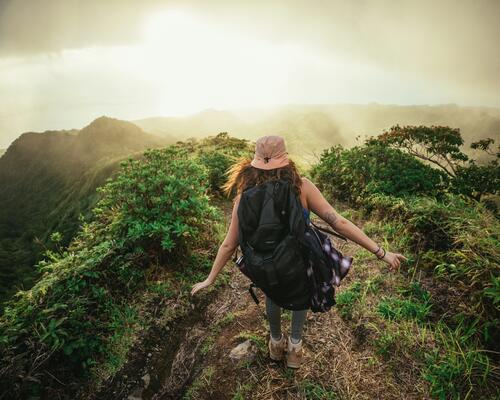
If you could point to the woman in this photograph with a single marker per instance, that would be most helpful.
(271, 162)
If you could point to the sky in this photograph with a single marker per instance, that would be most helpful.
(63, 63)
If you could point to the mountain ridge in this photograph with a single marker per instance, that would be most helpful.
(48, 179)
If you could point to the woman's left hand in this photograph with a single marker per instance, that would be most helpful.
(394, 260)
(200, 285)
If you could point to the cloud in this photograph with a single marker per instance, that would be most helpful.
(91, 57)
(451, 41)
(32, 27)
(447, 41)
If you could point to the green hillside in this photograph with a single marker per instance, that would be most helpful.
(111, 315)
(48, 180)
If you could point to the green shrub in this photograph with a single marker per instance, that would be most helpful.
(441, 146)
(76, 315)
(453, 238)
(352, 174)
(217, 153)
(475, 181)
(158, 203)
(217, 164)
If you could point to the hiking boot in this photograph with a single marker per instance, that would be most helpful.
(294, 354)
(277, 348)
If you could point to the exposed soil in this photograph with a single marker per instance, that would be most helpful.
(337, 358)
(190, 358)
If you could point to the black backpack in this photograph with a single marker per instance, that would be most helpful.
(291, 261)
(271, 237)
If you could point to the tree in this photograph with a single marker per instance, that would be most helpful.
(440, 145)
(476, 180)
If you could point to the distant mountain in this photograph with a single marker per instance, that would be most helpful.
(309, 129)
(47, 179)
(205, 123)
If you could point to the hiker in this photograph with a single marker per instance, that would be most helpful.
(271, 162)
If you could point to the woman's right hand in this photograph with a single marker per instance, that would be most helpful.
(394, 260)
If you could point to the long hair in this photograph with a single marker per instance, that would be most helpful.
(242, 175)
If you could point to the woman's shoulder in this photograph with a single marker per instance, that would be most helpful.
(310, 190)
(305, 191)
(306, 184)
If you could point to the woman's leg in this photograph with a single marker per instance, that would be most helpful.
(298, 319)
(273, 312)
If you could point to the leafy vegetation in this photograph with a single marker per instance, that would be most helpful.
(81, 315)
(48, 183)
(353, 174)
(449, 329)
(162, 201)
(315, 391)
(153, 232)
(440, 145)
(457, 241)
(217, 153)
(347, 299)
(457, 366)
(395, 308)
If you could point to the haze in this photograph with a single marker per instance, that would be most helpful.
(64, 63)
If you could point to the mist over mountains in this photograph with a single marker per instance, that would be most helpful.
(310, 128)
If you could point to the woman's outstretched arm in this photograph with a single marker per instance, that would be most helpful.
(320, 206)
(225, 251)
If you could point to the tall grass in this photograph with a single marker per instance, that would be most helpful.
(453, 240)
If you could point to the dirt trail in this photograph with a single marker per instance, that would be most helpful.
(339, 361)
(192, 361)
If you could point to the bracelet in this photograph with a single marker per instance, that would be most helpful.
(380, 258)
(376, 251)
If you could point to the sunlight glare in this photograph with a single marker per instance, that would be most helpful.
(206, 65)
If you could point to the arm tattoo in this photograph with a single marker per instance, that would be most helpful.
(331, 218)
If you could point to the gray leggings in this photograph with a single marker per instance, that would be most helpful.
(273, 312)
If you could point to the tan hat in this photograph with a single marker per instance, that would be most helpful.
(270, 153)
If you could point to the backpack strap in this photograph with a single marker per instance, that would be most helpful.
(328, 231)
(252, 293)
(254, 297)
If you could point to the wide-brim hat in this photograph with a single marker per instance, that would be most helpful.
(270, 153)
